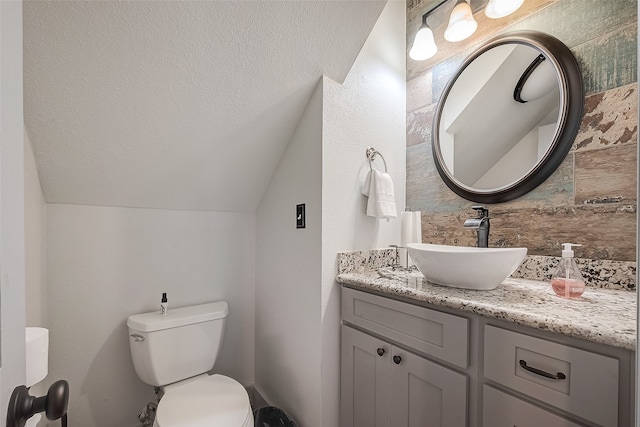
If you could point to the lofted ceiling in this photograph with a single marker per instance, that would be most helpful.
(176, 104)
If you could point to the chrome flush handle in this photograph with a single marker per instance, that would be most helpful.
(137, 337)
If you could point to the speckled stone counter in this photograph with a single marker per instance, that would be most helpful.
(600, 315)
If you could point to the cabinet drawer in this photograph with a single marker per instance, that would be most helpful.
(503, 410)
(583, 383)
(431, 332)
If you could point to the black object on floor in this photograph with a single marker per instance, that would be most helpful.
(270, 416)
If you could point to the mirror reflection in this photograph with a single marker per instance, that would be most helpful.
(499, 119)
(508, 117)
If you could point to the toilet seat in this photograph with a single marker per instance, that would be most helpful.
(206, 401)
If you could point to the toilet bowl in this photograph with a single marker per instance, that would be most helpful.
(174, 352)
(206, 401)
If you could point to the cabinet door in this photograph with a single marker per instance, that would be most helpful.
(425, 394)
(366, 369)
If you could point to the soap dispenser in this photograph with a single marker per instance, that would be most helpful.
(567, 281)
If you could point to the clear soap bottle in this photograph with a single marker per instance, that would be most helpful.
(567, 281)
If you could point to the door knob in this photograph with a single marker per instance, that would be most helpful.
(23, 406)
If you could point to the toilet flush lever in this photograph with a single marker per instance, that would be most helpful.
(137, 337)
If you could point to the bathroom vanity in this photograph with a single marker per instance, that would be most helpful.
(417, 354)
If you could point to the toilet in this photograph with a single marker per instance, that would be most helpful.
(174, 352)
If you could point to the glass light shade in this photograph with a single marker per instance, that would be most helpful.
(461, 23)
(424, 46)
(500, 8)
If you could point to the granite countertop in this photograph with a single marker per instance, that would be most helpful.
(600, 315)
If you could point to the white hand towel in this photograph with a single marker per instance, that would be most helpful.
(367, 184)
(382, 203)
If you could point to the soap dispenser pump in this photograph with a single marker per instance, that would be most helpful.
(567, 281)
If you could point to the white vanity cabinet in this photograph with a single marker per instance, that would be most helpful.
(387, 378)
(468, 370)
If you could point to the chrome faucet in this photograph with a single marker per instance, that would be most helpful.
(481, 224)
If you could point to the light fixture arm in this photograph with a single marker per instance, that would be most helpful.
(430, 11)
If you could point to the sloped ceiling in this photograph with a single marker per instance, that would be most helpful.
(176, 104)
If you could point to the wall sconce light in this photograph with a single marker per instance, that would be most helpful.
(500, 8)
(424, 46)
(461, 25)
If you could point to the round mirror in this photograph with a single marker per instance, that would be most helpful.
(508, 117)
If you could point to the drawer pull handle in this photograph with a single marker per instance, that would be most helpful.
(380, 351)
(558, 376)
(397, 360)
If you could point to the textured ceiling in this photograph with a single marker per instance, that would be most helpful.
(178, 104)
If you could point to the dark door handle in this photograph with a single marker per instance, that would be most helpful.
(380, 351)
(22, 405)
(558, 376)
(397, 360)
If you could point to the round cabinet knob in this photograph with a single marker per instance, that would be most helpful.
(380, 351)
(397, 360)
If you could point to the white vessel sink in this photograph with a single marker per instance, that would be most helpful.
(466, 267)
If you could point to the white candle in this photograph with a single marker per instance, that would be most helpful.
(417, 227)
(406, 228)
(410, 228)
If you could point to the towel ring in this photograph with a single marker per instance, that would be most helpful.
(371, 155)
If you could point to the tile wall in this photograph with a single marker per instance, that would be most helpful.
(591, 198)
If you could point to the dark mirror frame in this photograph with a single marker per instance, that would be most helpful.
(570, 117)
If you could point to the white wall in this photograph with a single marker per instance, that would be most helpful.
(298, 310)
(12, 264)
(288, 275)
(34, 209)
(34, 245)
(367, 110)
(104, 264)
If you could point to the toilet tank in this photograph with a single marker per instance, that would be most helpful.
(179, 345)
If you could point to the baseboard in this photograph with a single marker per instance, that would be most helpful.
(256, 397)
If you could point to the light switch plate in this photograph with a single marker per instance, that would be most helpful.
(301, 218)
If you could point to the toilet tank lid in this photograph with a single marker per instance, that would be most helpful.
(154, 321)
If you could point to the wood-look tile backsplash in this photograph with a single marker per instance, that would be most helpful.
(591, 198)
